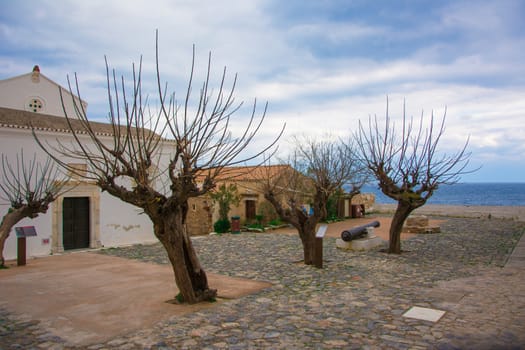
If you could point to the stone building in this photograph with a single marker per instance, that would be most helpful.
(355, 206)
(248, 180)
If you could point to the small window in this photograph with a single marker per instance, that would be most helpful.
(194, 207)
(35, 104)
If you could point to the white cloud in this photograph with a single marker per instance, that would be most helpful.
(320, 72)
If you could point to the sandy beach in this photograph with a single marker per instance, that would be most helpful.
(516, 213)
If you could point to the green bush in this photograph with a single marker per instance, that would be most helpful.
(275, 222)
(222, 226)
(332, 218)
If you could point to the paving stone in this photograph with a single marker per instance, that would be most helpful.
(426, 314)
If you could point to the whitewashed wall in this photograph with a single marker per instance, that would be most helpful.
(125, 225)
(15, 93)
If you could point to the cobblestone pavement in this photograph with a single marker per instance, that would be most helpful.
(355, 302)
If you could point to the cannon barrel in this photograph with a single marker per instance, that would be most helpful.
(357, 232)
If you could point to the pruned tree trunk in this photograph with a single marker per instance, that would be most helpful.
(190, 278)
(304, 224)
(403, 210)
(308, 241)
(307, 234)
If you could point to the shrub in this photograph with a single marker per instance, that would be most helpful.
(222, 226)
(275, 222)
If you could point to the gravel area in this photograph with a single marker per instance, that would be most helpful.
(355, 302)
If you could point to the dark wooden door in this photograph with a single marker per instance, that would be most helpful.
(250, 210)
(75, 222)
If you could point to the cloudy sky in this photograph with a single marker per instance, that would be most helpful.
(321, 65)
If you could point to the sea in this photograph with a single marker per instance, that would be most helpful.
(484, 194)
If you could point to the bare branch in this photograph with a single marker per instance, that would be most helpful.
(29, 182)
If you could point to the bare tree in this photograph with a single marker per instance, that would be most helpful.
(408, 165)
(28, 187)
(317, 170)
(198, 145)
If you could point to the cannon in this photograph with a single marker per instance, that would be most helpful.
(357, 232)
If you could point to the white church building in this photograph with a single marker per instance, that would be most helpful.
(82, 218)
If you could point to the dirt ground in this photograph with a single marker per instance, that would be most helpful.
(88, 297)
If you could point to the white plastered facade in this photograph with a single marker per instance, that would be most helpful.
(34, 92)
(112, 222)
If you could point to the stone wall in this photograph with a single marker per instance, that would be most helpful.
(368, 199)
(199, 219)
(347, 209)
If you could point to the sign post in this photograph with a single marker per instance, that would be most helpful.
(21, 233)
(318, 250)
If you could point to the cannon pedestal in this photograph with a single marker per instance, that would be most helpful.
(367, 242)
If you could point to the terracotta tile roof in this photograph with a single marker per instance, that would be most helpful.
(248, 173)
